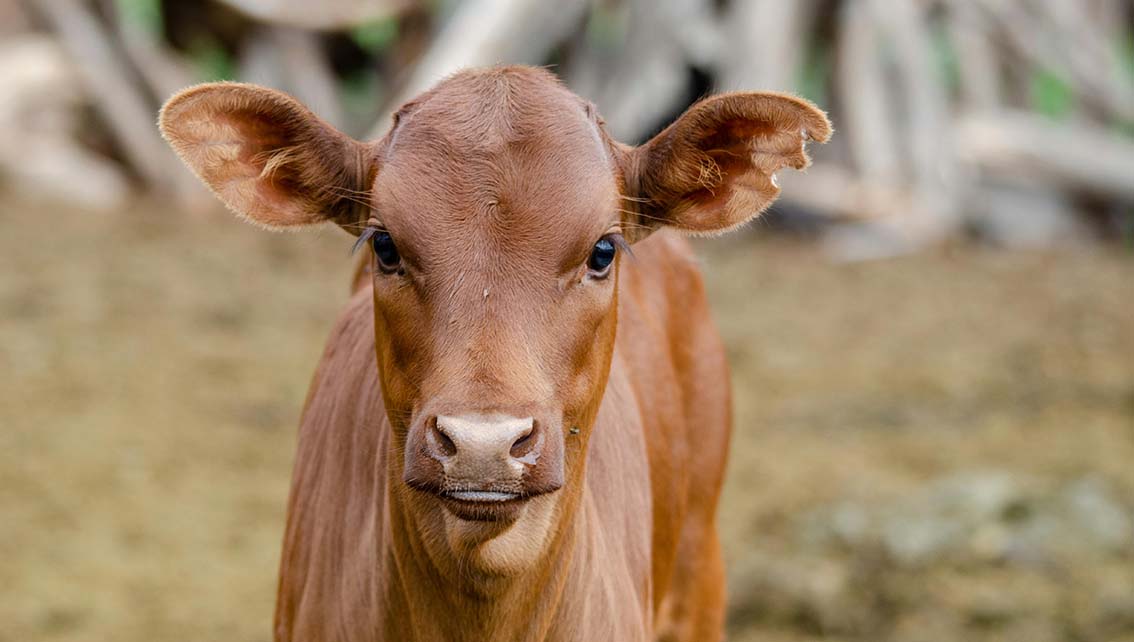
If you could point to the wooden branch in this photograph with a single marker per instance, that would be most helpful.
(291, 60)
(647, 81)
(104, 74)
(259, 61)
(926, 129)
(1041, 43)
(585, 69)
(321, 14)
(308, 73)
(834, 192)
(488, 32)
(162, 70)
(1076, 156)
(692, 25)
(977, 63)
(1091, 54)
(768, 40)
(863, 90)
(41, 117)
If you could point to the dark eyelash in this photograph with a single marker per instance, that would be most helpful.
(619, 242)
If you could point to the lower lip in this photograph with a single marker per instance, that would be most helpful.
(482, 506)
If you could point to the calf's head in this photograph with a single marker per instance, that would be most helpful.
(498, 213)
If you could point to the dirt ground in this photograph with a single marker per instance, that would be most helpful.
(154, 366)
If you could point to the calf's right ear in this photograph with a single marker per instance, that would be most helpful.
(715, 167)
(266, 156)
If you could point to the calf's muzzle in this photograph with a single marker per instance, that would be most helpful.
(484, 458)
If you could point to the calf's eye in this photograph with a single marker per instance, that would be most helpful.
(388, 258)
(602, 255)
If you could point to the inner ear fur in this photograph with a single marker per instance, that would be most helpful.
(266, 156)
(714, 167)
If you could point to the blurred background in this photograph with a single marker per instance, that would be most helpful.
(931, 333)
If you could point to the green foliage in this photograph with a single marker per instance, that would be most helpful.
(1050, 95)
(211, 61)
(606, 26)
(146, 14)
(945, 57)
(814, 74)
(377, 35)
(361, 90)
(1126, 56)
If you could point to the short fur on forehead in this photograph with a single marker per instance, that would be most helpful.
(485, 111)
(506, 154)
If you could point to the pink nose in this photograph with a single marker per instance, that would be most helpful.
(485, 456)
(482, 446)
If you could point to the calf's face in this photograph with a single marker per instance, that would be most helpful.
(495, 231)
(498, 213)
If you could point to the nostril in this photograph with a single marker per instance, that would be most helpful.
(519, 447)
(447, 445)
(441, 441)
(523, 445)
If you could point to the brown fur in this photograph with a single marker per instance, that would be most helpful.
(495, 186)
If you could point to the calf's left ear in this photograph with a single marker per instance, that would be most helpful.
(715, 167)
(266, 156)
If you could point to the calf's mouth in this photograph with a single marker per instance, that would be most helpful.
(481, 496)
(485, 505)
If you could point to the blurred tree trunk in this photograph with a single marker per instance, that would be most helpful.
(106, 75)
(320, 14)
(488, 32)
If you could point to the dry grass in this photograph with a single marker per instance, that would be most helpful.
(154, 367)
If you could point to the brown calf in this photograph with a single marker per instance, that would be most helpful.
(518, 428)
